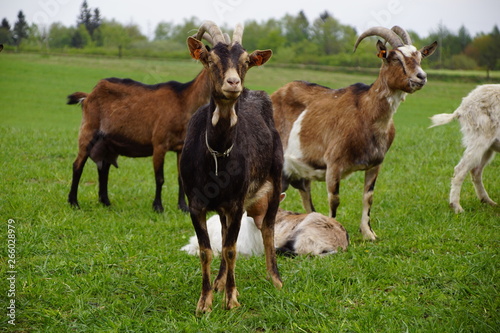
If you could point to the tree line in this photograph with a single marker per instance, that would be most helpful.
(293, 38)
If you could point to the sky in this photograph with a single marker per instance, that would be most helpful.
(421, 16)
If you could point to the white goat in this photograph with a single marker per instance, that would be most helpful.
(294, 233)
(479, 117)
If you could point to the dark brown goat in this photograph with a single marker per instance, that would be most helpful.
(328, 133)
(128, 118)
(232, 159)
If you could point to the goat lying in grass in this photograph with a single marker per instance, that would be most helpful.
(294, 234)
(479, 117)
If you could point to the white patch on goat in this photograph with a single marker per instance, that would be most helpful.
(408, 50)
(395, 99)
(294, 164)
(249, 241)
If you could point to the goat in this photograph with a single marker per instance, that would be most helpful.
(231, 160)
(1, 47)
(294, 234)
(479, 117)
(128, 118)
(328, 134)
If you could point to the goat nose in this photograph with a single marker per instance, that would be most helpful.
(422, 76)
(234, 81)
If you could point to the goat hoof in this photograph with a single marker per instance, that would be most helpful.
(371, 236)
(456, 208)
(158, 208)
(183, 208)
(204, 304)
(74, 204)
(105, 202)
(488, 201)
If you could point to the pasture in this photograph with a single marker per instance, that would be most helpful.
(119, 269)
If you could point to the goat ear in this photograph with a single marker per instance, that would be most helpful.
(258, 58)
(382, 50)
(282, 196)
(196, 48)
(428, 50)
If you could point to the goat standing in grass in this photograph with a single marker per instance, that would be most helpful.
(128, 118)
(231, 160)
(479, 117)
(329, 133)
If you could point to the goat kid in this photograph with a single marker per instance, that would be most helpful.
(479, 117)
(231, 160)
(294, 234)
(328, 134)
(128, 118)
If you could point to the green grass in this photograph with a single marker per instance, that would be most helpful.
(119, 269)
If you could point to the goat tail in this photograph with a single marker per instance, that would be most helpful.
(76, 98)
(442, 118)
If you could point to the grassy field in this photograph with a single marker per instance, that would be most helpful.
(119, 269)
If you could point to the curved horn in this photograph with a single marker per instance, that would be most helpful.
(213, 30)
(405, 36)
(227, 38)
(238, 34)
(206, 36)
(390, 36)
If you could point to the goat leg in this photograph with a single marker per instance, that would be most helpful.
(229, 254)
(370, 179)
(333, 186)
(158, 160)
(267, 231)
(304, 187)
(77, 174)
(206, 255)
(103, 171)
(477, 178)
(181, 200)
(220, 281)
(471, 159)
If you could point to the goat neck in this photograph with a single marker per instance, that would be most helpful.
(220, 134)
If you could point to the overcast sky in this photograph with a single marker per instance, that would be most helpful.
(421, 16)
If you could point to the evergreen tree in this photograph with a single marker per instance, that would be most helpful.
(20, 31)
(85, 15)
(5, 33)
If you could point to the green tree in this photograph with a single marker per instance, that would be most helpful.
(296, 28)
(181, 32)
(81, 37)
(21, 29)
(485, 49)
(60, 36)
(164, 31)
(332, 36)
(5, 32)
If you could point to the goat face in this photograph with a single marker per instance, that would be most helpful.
(402, 65)
(227, 65)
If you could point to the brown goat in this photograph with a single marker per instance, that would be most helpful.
(128, 118)
(232, 159)
(329, 133)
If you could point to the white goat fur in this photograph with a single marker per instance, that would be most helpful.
(479, 117)
(311, 233)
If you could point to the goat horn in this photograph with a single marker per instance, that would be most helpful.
(227, 38)
(213, 30)
(390, 36)
(206, 37)
(238, 34)
(405, 36)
